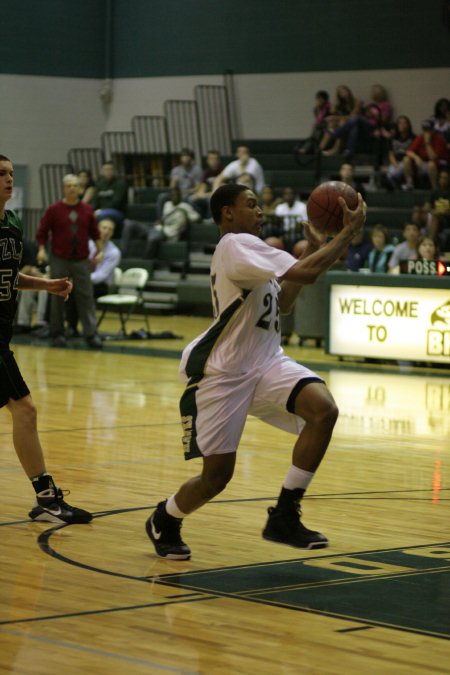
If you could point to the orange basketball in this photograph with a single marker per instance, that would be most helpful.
(324, 210)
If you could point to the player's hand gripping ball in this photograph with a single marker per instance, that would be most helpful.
(324, 210)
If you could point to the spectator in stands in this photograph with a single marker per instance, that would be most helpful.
(111, 195)
(440, 210)
(243, 164)
(347, 175)
(372, 122)
(31, 302)
(345, 105)
(441, 118)
(186, 176)
(247, 180)
(428, 249)
(426, 155)
(420, 215)
(321, 111)
(176, 217)
(406, 250)
(400, 142)
(270, 225)
(69, 224)
(87, 186)
(200, 198)
(102, 271)
(291, 213)
(380, 255)
(357, 252)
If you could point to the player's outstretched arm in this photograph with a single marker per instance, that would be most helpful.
(307, 270)
(290, 289)
(62, 287)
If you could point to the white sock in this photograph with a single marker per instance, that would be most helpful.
(172, 508)
(297, 478)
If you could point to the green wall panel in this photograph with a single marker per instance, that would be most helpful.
(53, 37)
(186, 37)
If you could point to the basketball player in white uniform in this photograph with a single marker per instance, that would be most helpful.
(237, 367)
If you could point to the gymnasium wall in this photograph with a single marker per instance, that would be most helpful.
(53, 67)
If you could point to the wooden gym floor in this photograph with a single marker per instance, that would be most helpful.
(95, 599)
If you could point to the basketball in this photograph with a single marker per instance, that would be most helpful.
(324, 210)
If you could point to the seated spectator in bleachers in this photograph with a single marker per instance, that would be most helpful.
(87, 185)
(111, 196)
(406, 250)
(288, 230)
(379, 256)
(420, 215)
(243, 164)
(321, 111)
(440, 210)
(357, 252)
(186, 176)
(441, 118)
(347, 175)
(372, 122)
(400, 142)
(428, 249)
(344, 106)
(426, 155)
(176, 217)
(200, 198)
(31, 302)
(102, 271)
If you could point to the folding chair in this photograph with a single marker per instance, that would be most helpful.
(129, 297)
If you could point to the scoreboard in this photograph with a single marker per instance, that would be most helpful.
(438, 268)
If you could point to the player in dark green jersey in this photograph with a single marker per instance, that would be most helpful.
(14, 393)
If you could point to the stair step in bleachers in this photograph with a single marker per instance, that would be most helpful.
(201, 235)
(262, 146)
(390, 218)
(277, 161)
(143, 212)
(303, 180)
(397, 199)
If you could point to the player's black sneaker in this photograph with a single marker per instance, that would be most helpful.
(285, 527)
(51, 507)
(165, 532)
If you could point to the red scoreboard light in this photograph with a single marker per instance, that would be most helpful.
(442, 268)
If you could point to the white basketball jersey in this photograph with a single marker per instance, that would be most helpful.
(245, 333)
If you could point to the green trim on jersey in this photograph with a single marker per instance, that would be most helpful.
(11, 219)
(196, 362)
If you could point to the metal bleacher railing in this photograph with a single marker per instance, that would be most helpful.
(214, 117)
(86, 158)
(51, 176)
(183, 125)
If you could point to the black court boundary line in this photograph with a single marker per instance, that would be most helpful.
(165, 580)
(111, 610)
(326, 495)
(395, 368)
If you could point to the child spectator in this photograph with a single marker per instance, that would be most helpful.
(427, 153)
(321, 111)
(357, 252)
(440, 210)
(406, 250)
(401, 140)
(382, 250)
(200, 198)
(87, 186)
(428, 249)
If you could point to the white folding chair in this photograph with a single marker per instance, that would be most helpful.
(128, 299)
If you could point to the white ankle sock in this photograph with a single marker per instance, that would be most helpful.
(172, 508)
(297, 478)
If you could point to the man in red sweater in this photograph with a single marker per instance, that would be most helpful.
(425, 156)
(71, 223)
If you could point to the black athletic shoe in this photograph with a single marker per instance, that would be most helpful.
(51, 507)
(285, 527)
(165, 533)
